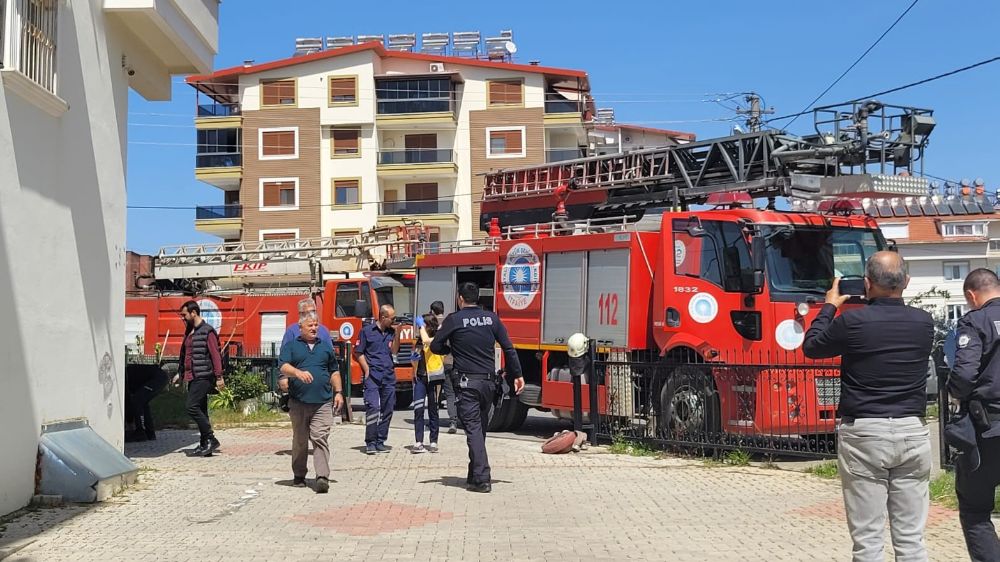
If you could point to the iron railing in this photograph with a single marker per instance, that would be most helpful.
(416, 156)
(415, 105)
(234, 211)
(767, 402)
(28, 39)
(563, 106)
(218, 160)
(417, 207)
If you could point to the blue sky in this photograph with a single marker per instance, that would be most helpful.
(653, 61)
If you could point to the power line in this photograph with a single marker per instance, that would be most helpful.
(855, 63)
(903, 87)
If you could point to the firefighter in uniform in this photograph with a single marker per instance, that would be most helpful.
(974, 386)
(470, 335)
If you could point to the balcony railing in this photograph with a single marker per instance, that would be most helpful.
(28, 39)
(419, 105)
(416, 156)
(218, 109)
(561, 154)
(218, 212)
(218, 160)
(417, 207)
(563, 106)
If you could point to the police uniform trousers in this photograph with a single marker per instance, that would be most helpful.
(975, 490)
(380, 400)
(474, 402)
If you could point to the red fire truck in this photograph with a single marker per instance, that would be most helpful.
(249, 292)
(662, 251)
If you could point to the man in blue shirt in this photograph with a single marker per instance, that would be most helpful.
(306, 306)
(311, 373)
(377, 347)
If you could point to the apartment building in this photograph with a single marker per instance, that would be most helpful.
(348, 138)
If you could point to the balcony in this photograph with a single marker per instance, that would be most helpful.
(221, 169)
(563, 111)
(427, 212)
(562, 154)
(224, 221)
(218, 116)
(414, 101)
(417, 162)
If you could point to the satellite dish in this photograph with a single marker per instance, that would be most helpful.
(510, 47)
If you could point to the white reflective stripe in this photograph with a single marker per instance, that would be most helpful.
(741, 423)
(744, 388)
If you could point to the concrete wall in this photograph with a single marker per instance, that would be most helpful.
(62, 237)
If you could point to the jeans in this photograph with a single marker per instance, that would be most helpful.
(451, 396)
(310, 422)
(975, 490)
(885, 465)
(425, 400)
(197, 405)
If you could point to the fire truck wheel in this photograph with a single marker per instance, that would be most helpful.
(404, 399)
(520, 413)
(689, 406)
(499, 417)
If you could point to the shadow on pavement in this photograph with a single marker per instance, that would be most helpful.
(457, 482)
(310, 482)
(20, 529)
(166, 443)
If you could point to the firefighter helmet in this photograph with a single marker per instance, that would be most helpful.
(576, 345)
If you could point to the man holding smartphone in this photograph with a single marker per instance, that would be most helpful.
(883, 445)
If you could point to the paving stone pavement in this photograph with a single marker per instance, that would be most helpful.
(593, 505)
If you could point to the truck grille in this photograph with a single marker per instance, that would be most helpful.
(403, 357)
(828, 390)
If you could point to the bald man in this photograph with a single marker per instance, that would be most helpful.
(378, 346)
(883, 445)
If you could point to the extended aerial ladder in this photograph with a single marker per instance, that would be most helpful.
(862, 149)
(196, 267)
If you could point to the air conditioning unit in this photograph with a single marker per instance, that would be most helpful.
(437, 67)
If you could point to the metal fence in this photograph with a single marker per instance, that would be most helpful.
(773, 403)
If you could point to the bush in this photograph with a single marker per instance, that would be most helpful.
(241, 384)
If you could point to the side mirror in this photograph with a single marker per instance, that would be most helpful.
(362, 309)
(757, 253)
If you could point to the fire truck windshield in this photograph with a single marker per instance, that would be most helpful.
(806, 260)
(398, 292)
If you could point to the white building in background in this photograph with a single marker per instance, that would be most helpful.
(942, 250)
(67, 69)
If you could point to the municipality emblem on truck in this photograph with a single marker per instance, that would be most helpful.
(520, 276)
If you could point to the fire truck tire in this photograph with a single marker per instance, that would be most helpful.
(404, 399)
(499, 416)
(689, 406)
(520, 413)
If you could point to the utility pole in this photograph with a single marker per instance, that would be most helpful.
(754, 112)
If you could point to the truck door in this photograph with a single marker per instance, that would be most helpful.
(435, 284)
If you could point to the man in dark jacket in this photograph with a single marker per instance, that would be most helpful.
(883, 445)
(974, 385)
(201, 368)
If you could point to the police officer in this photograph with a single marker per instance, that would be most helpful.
(974, 386)
(469, 335)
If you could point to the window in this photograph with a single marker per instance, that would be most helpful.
(345, 192)
(721, 256)
(279, 234)
(955, 270)
(963, 229)
(272, 331)
(278, 92)
(955, 312)
(28, 40)
(995, 245)
(802, 261)
(279, 194)
(505, 143)
(416, 95)
(278, 143)
(895, 231)
(345, 143)
(347, 296)
(343, 90)
(345, 233)
(505, 92)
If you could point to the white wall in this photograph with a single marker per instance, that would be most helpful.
(926, 264)
(62, 237)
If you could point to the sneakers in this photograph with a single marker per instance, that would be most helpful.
(322, 485)
(483, 488)
(199, 450)
(433, 447)
(453, 428)
(210, 447)
(381, 448)
(418, 448)
(298, 482)
(370, 449)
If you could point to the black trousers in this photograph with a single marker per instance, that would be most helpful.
(197, 405)
(975, 490)
(451, 396)
(139, 400)
(474, 403)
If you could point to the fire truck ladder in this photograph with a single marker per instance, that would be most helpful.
(381, 249)
(763, 164)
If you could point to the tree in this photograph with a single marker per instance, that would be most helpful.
(939, 313)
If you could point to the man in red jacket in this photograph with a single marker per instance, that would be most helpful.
(201, 367)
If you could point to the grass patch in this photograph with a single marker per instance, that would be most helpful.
(170, 410)
(622, 446)
(932, 410)
(737, 458)
(943, 490)
(827, 469)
